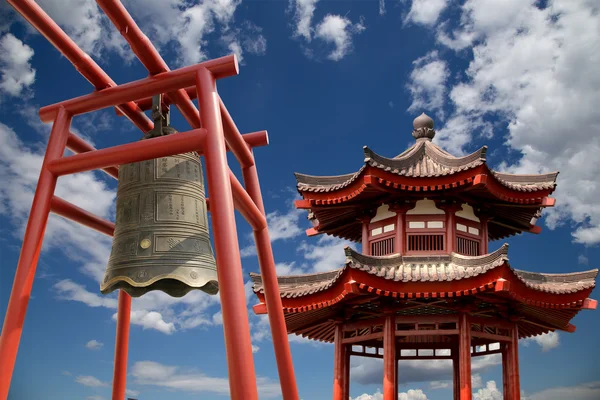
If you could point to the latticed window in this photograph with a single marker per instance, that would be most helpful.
(468, 237)
(468, 247)
(426, 242)
(383, 247)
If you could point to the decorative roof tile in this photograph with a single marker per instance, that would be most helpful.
(435, 268)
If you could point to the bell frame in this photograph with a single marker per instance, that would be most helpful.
(213, 133)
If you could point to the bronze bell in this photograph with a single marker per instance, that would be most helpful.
(161, 240)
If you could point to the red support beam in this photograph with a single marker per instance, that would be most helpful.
(30, 252)
(148, 55)
(338, 367)
(121, 346)
(346, 388)
(274, 306)
(77, 145)
(164, 82)
(455, 374)
(70, 211)
(146, 103)
(234, 138)
(246, 206)
(390, 363)
(80, 60)
(505, 371)
(131, 152)
(464, 354)
(238, 347)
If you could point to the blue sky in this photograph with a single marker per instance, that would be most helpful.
(324, 78)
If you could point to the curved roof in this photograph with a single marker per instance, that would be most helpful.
(439, 268)
(425, 160)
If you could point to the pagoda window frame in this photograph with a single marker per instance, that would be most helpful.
(467, 235)
(383, 236)
(408, 231)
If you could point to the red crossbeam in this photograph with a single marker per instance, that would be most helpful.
(80, 60)
(165, 82)
(70, 211)
(77, 145)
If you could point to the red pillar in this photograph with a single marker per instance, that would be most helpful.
(505, 371)
(242, 378)
(514, 384)
(30, 252)
(400, 239)
(365, 219)
(339, 361)
(464, 354)
(390, 364)
(483, 220)
(455, 373)
(346, 391)
(121, 346)
(266, 263)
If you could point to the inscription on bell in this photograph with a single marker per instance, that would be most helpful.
(127, 210)
(181, 244)
(178, 168)
(177, 207)
(129, 173)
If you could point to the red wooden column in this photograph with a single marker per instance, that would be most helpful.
(464, 355)
(505, 371)
(346, 391)
(339, 357)
(365, 220)
(483, 232)
(390, 363)
(400, 240)
(30, 252)
(450, 209)
(238, 347)
(514, 384)
(455, 374)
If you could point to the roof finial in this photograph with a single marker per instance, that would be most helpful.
(423, 127)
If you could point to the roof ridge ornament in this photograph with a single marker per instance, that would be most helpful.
(423, 127)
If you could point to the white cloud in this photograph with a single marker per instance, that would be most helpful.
(94, 345)
(409, 395)
(547, 341)
(130, 392)
(150, 320)
(304, 11)
(288, 269)
(327, 254)
(381, 7)
(90, 381)
(338, 30)
(534, 67)
(367, 371)
(150, 373)
(426, 12)
(490, 392)
(433, 385)
(333, 29)
(95, 397)
(583, 260)
(584, 391)
(16, 73)
(427, 83)
(476, 381)
(255, 348)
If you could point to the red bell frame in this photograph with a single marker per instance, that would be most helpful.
(213, 133)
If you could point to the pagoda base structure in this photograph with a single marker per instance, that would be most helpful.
(452, 307)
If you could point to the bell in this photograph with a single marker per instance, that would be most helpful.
(161, 240)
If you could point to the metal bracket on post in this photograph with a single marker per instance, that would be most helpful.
(161, 117)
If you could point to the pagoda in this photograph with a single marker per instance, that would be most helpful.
(425, 285)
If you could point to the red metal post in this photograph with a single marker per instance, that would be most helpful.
(390, 363)
(505, 371)
(30, 252)
(338, 367)
(121, 346)
(245, 204)
(242, 378)
(266, 263)
(514, 384)
(464, 354)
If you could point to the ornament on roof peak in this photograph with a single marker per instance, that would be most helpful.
(423, 127)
